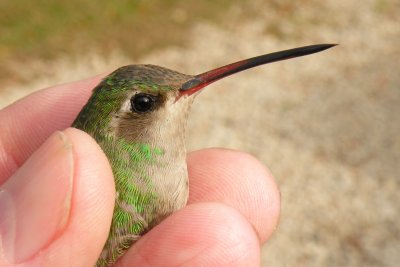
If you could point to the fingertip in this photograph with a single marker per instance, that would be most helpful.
(95, 188)
(203, 234)
(96, 183)
(237, 179)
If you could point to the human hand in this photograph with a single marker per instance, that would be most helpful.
(57, 195)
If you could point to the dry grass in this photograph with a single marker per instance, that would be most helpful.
(45, 30)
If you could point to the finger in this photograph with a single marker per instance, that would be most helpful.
(203, 234)
(56, 209)
(239, 180)
(27, 123)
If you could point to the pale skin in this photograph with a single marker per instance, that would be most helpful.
(57, 195)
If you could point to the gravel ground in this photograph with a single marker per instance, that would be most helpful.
(327, 125)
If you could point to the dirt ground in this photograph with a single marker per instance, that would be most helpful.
(326, 125)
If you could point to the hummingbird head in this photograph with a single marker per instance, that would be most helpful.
(140, 102)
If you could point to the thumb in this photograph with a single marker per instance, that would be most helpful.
(56, 209)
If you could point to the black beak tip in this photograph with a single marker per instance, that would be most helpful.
(322, 47)
(311, 49)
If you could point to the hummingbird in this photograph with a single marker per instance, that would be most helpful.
(138, 114)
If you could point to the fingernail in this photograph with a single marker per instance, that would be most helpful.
(35, 202)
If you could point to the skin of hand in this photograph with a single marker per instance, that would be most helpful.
(57, 195)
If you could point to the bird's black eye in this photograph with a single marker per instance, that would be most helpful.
(142, 103)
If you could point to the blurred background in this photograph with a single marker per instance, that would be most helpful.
(327, 125)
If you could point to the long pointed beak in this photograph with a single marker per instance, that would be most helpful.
(204, 79)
